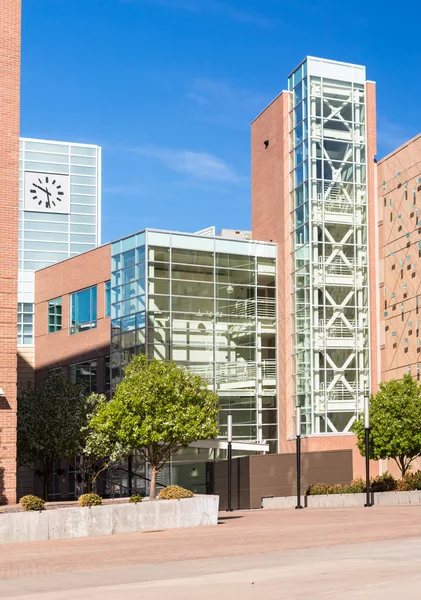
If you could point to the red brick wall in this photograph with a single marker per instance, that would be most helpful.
(373, 243)
(271, 222)
(60, 348)
(9, 204)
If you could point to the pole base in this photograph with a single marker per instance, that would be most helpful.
(367, 505)
(299, 507)
(229, 510)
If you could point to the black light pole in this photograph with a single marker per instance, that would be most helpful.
(298, 442)
(129, 474)
(367, 450)
(229, 439)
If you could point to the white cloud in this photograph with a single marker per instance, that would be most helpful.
(201, 100)
(226, 104)
(199, 165)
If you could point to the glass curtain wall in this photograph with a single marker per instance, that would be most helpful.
(329, 259)
(209, 305)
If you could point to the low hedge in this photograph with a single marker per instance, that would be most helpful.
(174, 492)
(31, 503)
(89, 500)
(381, 483)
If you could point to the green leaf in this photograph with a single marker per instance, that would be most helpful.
(395, 422)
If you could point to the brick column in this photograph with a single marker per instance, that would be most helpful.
(10, 19)
(271, 222)
(373, 242)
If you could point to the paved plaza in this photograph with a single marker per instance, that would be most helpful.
(327, 553)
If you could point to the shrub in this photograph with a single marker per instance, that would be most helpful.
(411, 481)
(402, 485)
(89, 500)
(174, 492)
(32, 503)
(383, 483)
(357, 486)
(135, 498)
(319, 489)
(416, 480)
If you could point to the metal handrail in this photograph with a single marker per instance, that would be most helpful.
(126, 487)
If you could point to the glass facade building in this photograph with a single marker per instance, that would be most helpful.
(209, 304)
(59, 212)
(328, 183)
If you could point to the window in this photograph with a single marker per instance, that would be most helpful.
(54, 315)
(85, 373)
(108, 298)
(83, 310)
(25, 323)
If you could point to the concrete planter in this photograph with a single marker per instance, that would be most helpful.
(275, 502)
(322, 501)
(108, 519)
(345, 500)
(336, 500)
(392, 498)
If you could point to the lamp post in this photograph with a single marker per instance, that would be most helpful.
(229, 439)
(298, 453)
(367, 450)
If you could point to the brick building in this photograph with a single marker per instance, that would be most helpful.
(313, 192)
(206, 301)
(10, 11)
(317, 320)
(51, 231)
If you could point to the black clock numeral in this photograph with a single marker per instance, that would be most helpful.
(39, 202)
(60, 193)
(58, 199)
(53, 202)
(53, 182)
(58, 187)
(33, 191)
(39, 179)
(46, 179)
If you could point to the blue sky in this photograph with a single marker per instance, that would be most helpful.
(168, 88)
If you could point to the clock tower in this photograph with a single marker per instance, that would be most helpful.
(10, 21)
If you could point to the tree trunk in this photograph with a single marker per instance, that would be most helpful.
(403, 465)
(45, 488)
(152, 493)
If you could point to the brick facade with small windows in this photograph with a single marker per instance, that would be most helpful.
(61, 349)
(399, 228)
(10, 20)
(399, 269)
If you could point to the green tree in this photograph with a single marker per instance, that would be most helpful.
(49, 423)
(157, 409)
(98, 449)
(395, 423)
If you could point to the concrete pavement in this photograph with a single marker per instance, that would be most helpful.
(339, 554)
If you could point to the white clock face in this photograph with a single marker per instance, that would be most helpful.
(46, 192)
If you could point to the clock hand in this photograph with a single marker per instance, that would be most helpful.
(48, 198)
(42, 189)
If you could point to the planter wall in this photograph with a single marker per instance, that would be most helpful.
(345, 500)
(108, 520)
